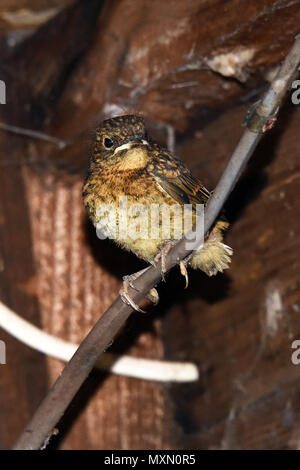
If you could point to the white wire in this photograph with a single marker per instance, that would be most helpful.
(148, 369)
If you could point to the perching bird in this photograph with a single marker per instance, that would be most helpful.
(125, 162)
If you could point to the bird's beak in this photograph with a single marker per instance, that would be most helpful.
(131, 144)
(139, 141)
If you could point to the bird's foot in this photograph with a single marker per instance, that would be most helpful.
(124, 292)
(162, 256)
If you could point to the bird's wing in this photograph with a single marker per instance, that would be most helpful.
(176, 179)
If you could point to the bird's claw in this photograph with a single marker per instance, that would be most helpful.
(153, 296)
(184, 272)
(162, 256)
(125, 296)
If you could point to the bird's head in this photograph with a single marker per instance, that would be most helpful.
(117, 135)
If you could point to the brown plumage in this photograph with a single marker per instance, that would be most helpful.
(125, 162)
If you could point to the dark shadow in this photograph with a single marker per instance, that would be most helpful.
(106, 253)
(173, 292)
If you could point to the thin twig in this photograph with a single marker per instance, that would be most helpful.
(76, 371)
(34, 134)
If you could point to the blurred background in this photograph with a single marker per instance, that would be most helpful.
(192, 69)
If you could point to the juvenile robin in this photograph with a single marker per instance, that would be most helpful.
(127, 166)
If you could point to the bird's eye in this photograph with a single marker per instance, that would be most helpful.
(108, 143)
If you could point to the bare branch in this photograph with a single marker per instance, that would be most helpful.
(76, 371)
(33, 134)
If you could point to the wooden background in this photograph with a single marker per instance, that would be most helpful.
(192, 69)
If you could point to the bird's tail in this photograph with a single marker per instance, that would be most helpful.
(215, 255)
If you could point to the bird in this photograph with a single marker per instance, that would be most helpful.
(127, 165)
